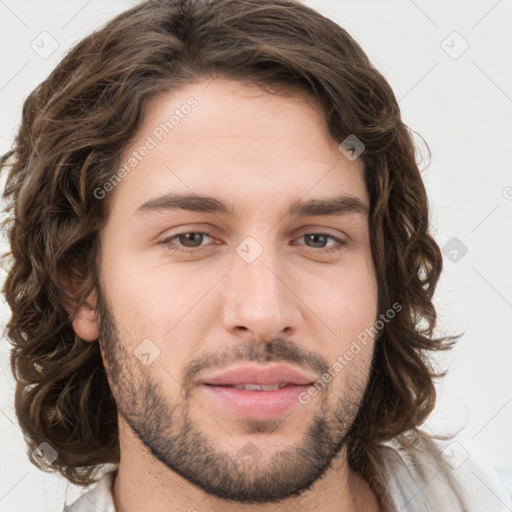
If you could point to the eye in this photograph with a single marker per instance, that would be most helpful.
(336, 246)
(194, 241)
(190, 241)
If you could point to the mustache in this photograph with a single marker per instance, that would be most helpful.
(275, 350)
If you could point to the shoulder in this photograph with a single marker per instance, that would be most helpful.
(444, 475)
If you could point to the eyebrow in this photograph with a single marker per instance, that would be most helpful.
(332, 206)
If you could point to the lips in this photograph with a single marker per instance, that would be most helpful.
(257, 392)
(255, 377)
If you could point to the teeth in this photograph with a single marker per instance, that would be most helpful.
(261, 387)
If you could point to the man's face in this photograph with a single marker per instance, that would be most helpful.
(259, 294)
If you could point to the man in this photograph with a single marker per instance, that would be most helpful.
(220, 253)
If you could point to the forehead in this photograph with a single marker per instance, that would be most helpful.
(230, 139)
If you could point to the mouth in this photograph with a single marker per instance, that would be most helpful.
(257, 392)
(256, 387)
(276, 375)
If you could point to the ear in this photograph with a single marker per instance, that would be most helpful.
(83, 319)
(85, 323)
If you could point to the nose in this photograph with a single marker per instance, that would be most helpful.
(259, 297)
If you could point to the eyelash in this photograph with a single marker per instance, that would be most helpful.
(167, 242)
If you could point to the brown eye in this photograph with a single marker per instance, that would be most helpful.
(319, 239)
(186, 242)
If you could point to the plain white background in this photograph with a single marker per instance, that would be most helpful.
(459, 99)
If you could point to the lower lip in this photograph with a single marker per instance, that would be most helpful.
(257, 405)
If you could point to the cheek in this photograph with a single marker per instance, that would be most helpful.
(347, 302)
(158, 303)
(349, 308)
(351, 363)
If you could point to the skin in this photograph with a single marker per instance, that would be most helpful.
(261, 152)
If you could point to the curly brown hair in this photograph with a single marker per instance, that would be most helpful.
(75, 126)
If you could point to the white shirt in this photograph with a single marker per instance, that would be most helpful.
(413, 486)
